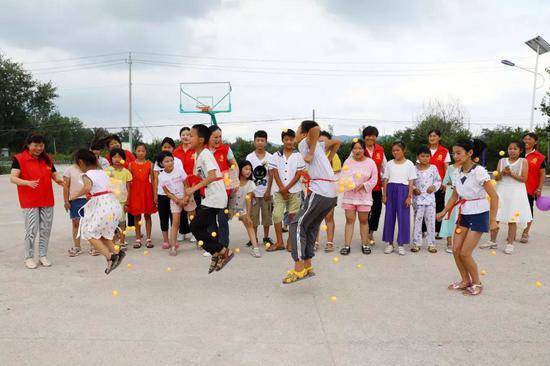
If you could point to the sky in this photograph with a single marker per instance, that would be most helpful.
(354, 62)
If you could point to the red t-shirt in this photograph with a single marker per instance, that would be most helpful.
(536, 163)
(129, 158)
(438, 159)
(187, 157)
(378, 157)
(34, 169)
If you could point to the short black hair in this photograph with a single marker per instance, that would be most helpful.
(168, 140)
(213, 128)
(86, 156)
(423, 150)
(161, 156)
(244, 163)
(203, 132)
(117, 151)
(112, 137)
(401, 144)
(370, 131)
(326, 134)
(475, 145)
(434, 130)
(140, 144)
(307, 125)
(288, 132)
(184, 129)
(260, 134)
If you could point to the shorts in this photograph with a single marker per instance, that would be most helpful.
(358, 208)
(476, 222)
(279, 205)
(265, 207)
(76, 205)
(174, 207)
(531, 200)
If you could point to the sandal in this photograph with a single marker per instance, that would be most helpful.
(366, 249)
(116, 259)
(329, 247)
(524, 238)
(137, 244)
(93, 252)
(226, 258)
(75, 251)
(415, 248)
(149, 244)
(294, 276)
(459, 285)
(274, 248)
(213, 263)
(173, 251)
(345, 250)
(473, 290)
(289, 247)
(432, 249)
(309, 271)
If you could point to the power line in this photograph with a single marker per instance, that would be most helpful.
(74, 58)
(96, 66)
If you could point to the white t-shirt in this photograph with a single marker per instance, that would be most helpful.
(100, 180)
(173, 181)
(215, 194)
(75, 177)
(400, 173)
(237, 201)
(319, 168)
(287, 169)
(260, 169)
(177, 165)
(469, 186)
(447, 157)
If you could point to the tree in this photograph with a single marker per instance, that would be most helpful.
(24, 103)
(125, 134)
(65, 134)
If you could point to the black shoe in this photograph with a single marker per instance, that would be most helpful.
(345, 250)
(285, 229)
(366, 249)
(249, 244)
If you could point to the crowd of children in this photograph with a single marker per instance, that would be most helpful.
(198, 186)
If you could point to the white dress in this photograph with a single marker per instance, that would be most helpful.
(101, 213)
(513, 205)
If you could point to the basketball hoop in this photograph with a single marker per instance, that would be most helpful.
(204, 108)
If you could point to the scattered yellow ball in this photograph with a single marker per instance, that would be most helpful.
(357, 175)
(138, 223)
(502, 153)
(345, 168)
(517, 214)
(495, 173)
(168, 269)
(122, 161)
(226, 211)
(130, 265)
(355, 139)
(114, 293)
(117, 248)
(538, 284)
(324, 227)
(247, 197)
(237, 250)
(200, 243)
(476, 160)
(493, 252)
(238, 214)
(371, 242)
(359, 266)
(145, 252)
(267, 245)
(483, 272)
(333, 298)
(191, 217)
(341, 189)
(458, 230)
(214, 234)
(285, 130)
(123, 232)
(493, 182)
(233, 166)
(335, 259)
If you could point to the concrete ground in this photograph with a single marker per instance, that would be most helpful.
(392, 311)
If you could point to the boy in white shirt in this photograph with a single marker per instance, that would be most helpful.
(286, 166)
(318, 203)
(204, 226)
(259, 159)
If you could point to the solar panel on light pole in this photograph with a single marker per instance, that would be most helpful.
(540, 46)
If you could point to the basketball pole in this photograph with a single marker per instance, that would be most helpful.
(130, 99)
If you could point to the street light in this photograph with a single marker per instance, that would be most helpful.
(540, 46)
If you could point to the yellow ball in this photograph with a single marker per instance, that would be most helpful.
(476, 160)
(517, 214)
(145, 252)
(247, 197)
(333, 298)
(483, 272)
(324, 227)
(114, 293)
(538, 284)
(493, 182)
(502, 153)
(191, 217)
(458, 230)
(168, 269)
(335, 259)
(359, 266)
(371, 242)
(139, 222)
(122, 161)
(123, 232)
(495, 173)
(341, 189)
(285, 130)
(345, 168)
(130, 265)
(200, 243)
(117, 248)
(214, 234)
(237, 250)
(493, 252)
(238, 214)
(355, 139)
(267, 245)
(357, 175)
(233, 166)
(226, 211)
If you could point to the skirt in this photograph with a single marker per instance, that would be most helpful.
(513, 204)
(101, 217)
(448, 226)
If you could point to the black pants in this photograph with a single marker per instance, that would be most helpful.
(202, 227)
(375, 211)
(184, 223)
(223, 228)
(131, 220)
(439, 206)
(165, 215)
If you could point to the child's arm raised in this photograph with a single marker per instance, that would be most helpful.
(332, 145)
(312, 139)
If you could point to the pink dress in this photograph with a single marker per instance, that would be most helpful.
(364, 176)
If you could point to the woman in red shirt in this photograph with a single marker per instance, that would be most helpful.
(535, 175)
(441, 158)
(32, 171)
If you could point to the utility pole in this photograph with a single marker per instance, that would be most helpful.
(535, 77)
(130, 99)
(313, 115)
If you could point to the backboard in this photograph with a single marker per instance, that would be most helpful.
(205, 97)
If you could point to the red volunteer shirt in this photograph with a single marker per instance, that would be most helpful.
(438, 159)
(35, 169)
(378, 157)
(536, 163)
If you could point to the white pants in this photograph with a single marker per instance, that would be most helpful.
(426, 214)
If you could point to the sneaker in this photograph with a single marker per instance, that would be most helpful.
(206, 254)
(192, 238)
(389, 249)
(488, 244)
(509, 249)
(165, 245)
(255, 252)
(401, 250)
(180, 237)
(30, 263)
(449, 250)
(45, 262)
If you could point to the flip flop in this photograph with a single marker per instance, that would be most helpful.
(274, 248)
